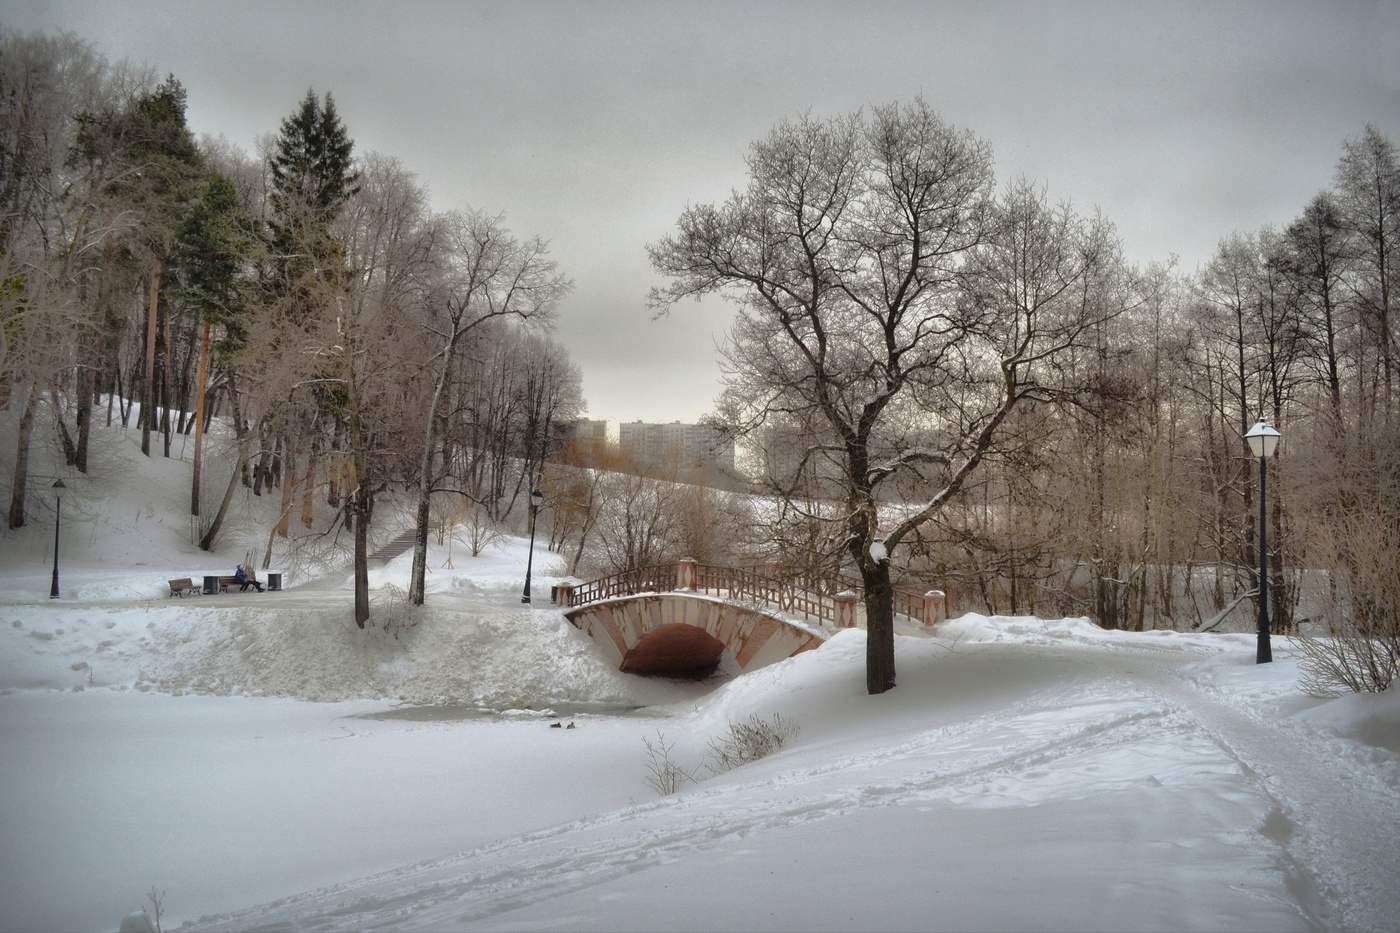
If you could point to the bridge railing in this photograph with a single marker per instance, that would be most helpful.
(820, 601)
(759, 585)
(910, 605)
(626, 583)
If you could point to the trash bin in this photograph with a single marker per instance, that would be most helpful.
(274, 581)
(211, 585)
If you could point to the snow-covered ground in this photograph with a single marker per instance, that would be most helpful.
(269, 766)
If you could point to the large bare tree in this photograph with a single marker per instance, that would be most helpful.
(893, 306)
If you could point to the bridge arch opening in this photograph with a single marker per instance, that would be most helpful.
(676, 649)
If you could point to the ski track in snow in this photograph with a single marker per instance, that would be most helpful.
(1032, 755)
(469, 889)
(1319, 800)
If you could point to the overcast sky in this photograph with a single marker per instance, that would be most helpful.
(593, 124)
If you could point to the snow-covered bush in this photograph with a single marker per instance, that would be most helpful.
(750, 741)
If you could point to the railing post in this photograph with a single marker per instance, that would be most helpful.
(933, 607)
(564, 592)
(685, 574)
(845, 609)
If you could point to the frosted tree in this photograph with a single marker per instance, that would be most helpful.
(893, 306)
(484, 275)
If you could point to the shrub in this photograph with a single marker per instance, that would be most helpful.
(1360, 651)
(664, 774)
(750, 741)
(745, 742)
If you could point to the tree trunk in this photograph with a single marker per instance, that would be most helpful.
(70, 452)
(417, 583)
(148, 391)
(359, 498)
(288, 486)
(86, 378)
(308, 492)
(360, 509)
(21, 476)
(211, 535)
(879, 625)
(167, 384)
(192, 358)
(199, 423)
(125, 394)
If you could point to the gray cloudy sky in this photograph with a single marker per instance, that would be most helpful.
(593, 124)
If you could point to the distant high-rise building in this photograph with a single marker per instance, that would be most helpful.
(678, 443)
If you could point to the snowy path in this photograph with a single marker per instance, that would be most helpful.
(1097, 760)
(1341, 862)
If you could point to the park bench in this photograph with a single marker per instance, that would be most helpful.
(183, 587)
(232, 583)
(220, 584)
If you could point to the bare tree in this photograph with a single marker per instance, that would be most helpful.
(890, 303)
(53, 227)
(486, 275)
(374, 361)
(638, 522)
(1368, 179)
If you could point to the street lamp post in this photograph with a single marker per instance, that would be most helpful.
(57, 521)
(1263, 441)
(536, 497)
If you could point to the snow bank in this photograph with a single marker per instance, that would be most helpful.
(498, 659)
(1081, 632)
(126, 532)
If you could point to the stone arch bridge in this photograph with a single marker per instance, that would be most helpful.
(681, 618)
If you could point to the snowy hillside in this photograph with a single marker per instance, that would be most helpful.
(1025, 774)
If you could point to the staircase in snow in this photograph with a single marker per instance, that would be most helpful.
(399, 543)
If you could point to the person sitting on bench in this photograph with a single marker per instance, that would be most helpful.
(246, 579)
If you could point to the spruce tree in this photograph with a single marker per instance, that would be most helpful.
(312, 180)
(312, 177)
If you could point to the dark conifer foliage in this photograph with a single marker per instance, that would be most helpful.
(313, 172)
(216, 240)
(145, 151)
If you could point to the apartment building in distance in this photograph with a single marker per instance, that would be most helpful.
(679, 444)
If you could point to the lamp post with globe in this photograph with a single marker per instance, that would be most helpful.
(1263, 441)
(536, 498)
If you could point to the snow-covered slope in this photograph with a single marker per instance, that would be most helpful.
(1025, 774)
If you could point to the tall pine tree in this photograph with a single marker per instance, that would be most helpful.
(216, 244)
(141, 168)
(313, 177)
